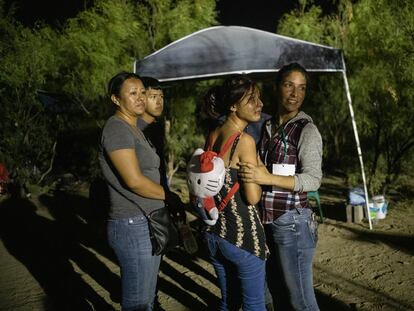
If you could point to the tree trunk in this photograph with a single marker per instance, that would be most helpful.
(377, 149)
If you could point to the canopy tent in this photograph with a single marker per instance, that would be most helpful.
(225, 50)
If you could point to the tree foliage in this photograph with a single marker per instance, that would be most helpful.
(165, 21)
(95, 45)
(384, 72)
(27, 62)
(76, 61)
(379, 53)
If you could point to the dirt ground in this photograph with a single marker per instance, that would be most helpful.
(54, 256)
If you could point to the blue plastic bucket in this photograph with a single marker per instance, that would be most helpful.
(373, 210)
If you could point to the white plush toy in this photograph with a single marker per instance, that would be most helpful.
(205, 178)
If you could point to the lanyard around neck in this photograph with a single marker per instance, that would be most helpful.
(283, 134)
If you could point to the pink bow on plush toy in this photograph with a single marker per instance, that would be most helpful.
(206, 161)
(205, 177)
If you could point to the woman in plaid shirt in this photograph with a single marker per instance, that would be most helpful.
(291, 158)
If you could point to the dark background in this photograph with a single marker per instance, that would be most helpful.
(260, 14)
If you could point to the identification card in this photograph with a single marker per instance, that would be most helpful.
(283, 170)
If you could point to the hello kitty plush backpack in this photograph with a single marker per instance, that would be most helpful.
(205, 178)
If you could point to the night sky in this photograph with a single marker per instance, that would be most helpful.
(53, 12)
(260, 14)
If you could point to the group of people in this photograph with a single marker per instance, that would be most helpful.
(263, 242)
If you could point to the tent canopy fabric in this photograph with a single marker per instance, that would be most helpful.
(224, 50)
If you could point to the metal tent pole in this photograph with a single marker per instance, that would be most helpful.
(361, 161)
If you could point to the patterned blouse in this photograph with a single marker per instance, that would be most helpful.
(239, 223)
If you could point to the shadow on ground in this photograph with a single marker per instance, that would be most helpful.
(396, 241)
(43, 246)
(60, 249)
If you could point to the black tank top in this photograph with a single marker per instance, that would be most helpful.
(239, 223)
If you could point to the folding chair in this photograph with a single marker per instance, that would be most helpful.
(314, 195)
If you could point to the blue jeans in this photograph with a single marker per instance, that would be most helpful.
(241, 275)
(292, 241)
(130, 240)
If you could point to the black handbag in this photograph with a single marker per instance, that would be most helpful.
(163, 233)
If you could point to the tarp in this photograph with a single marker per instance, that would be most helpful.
(225, 50)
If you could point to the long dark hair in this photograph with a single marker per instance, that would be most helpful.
(219, 99)
(116, 82)
(289, 68)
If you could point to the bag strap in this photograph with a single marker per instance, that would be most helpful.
(138, 134)
(229, 143)
(229, 195)
(233, 148)
(234, 139)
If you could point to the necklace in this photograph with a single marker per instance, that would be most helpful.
(236, 126)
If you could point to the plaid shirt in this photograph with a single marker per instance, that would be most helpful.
(276, 150)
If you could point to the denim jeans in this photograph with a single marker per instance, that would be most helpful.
(241, 275)
(292, 241)
(130, 240)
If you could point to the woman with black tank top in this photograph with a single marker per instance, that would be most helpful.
(236, 243)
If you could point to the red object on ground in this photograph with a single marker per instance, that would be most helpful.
(4, 174)
(4, 178)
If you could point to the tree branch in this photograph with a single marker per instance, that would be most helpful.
(51, 163)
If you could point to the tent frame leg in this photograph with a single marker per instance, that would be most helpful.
(354, 127)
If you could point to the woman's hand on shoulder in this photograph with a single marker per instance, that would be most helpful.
(254, 173)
